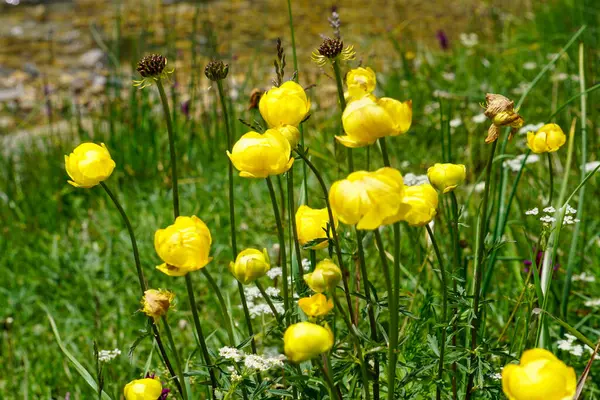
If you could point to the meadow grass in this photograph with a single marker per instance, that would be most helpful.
(65, 252)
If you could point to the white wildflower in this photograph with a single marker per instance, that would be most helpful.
(584, 277)
(231, 353)
(305, 264)
(533, 211)
(469, 39)
(411, 179)
(106, 356)
(559, 77)
(515, 163)
(274, 272)
(547, 219)
(455, 123)
(254, 361)
(449, 76)
(272, 291)
(592, 303)
(570, 337)
(479, 118)
(577, 350)
(480, 187)
(575, 78)
(530, 65)
(442, 94)
(564, 345)
(569, 220)
(496, 376)
(258, 310)
(549, 210)
(431, 108)
(589, 167)
(485, 62)
(571, 210)
(530, 127)
(251, 293)
(235, 377)
(522, 88)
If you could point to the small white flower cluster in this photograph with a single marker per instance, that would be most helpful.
(235, 377)
(479, 118)
(496, 376)
(530, 127)
(589, 167)
(431, 108)
(106, 356)
(530, 65)
(584, 277)
(257, 310)
(411, 179)
(515, 163)
(455, 123)
(533, 211)
(272, 291)
(253, 296)
(274, 272)
(547, 219)
(305, 264)
(592, 303)
(568, 344)
(569, 219)
(449, 76)
(549, 211)
(251, 293)
(251, 361)
(480, 187)
(469, 39)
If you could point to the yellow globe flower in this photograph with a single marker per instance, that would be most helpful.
(249, 265)
(360, 81)
(547, 139)
(446, 177)
(305, 340)
(258, 156)
(368, 119)
(311, 225)
(88, 165)
(143, 389)
(368, 199)
(183, 246)
(326, 276)
(539, 376)
(156, 303)
(422, 202)
(284, 105)
(291, 133)
(316, 305)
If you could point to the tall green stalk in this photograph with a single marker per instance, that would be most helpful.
(478, 263)
(300, 285)
(143, 285)
(178, 363)
(444, 284)
(234, 251)
(455, 269)
(551, 176)
(188, 279)
(281, 236)
(226, 316)
(342, 99)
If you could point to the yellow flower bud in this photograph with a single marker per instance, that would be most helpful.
(316, 306)
(547, 139)
(446, 177)
(258, 156)
(422, 201)
(326, 276)
(143, 389)
(360, 81)
(183, 246)
(249, 265)
(291, 133)
(305, 340)
(540, 375)
(311, 225)
(368, 199)
(284, 105)
(88, 165)
(368, 119)
(156, 303)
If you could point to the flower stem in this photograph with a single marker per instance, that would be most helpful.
(327, 373)
(300, 285)
(456, 260)
(336, 242)
(438, 393)
(478, 262)
(267, 298)
(142, 281)
(280, 234)
(232, 212)
(340, 90)
(226, 317)
(188, 279)
(178, 364)
(551, 174)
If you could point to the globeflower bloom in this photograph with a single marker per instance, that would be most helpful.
(360, 81)
(305, 340)
(183, 246)
(446, 177)
(259, 156)
(291, 133)
(156, 303)
(368, 199)
(540, 375)
(88, 165)
(284, 105)
(311, 225)
(249, 265)
(547, 139)
(316, 306)
(368, 119)
(422, 201)
(143, 389)
(326, 276)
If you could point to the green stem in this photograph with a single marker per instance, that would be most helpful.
(226, 317)
(178, 363)
(232, 224)
(300, 285)
(280, 234)
(171, 132)
(384, 263)
(327, 373)
(455, 268)
(141, 280)
(478, 262)
(359, 353)
(340, 90)
(438, 393)
(551, 173)
(334, 235)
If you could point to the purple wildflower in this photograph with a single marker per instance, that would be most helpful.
(442, 39)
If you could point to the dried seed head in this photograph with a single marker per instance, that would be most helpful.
(496, 103)
(152, 65)
(501, 111)
(216, 70)
(331, 48)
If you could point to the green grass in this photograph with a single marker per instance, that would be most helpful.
(67, 250)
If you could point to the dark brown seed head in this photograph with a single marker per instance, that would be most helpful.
(216, 70)
(331, 48)
(152, 65)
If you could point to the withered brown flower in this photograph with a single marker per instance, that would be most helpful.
(501, 111)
